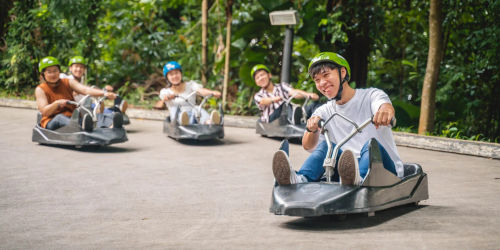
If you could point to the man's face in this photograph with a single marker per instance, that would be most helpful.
(262, 78)
(174, 76)
(77, 70)
(51, 74)
(328, 82)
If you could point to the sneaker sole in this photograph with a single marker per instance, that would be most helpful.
(215, 118)
(347, 168)
(184, 119)
(281, 168)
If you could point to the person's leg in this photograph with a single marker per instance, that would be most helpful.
(276, 113)
(192, 116)
(310, 108)
(120, 105)
(312, 168)
(58, 121)
(104, 120)
(110, 110)
(118, 101)
(204, 116)
(364, 160)
(172, 113)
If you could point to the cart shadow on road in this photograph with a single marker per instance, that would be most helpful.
(297, 141)
(351, 221)
(96, 149)
(208, 143)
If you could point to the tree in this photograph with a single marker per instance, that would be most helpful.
(434, 58)
(229, 20)
(204, 14)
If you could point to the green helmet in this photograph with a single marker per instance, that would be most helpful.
(330, 57)
(257, 68)
(47, 62)
(76, 59)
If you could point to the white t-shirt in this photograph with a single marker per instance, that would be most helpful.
(191, 86)
(76, 96)
(361, 107)
(64, 76)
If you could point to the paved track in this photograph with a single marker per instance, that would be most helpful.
(155, 192)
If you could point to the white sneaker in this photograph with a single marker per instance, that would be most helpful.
(184, 118)
(349, 169)
(215, 117)
(283, 172)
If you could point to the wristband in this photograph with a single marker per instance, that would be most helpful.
(314, 132)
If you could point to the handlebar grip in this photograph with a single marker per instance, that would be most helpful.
(321, 123)
(393, 122)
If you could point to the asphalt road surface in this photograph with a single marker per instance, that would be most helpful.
(153, 192)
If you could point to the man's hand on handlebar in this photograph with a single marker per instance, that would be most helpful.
(313, 96)
(61, 103)
(110, 95)
(384, 115)
(169, 97)
(312, 124)
(216, 94)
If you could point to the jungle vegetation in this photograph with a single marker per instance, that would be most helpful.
(386, 42)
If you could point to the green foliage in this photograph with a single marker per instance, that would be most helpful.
(127, 42)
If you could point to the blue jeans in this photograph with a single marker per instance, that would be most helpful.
(192, 115)
(60, 120)
(313, 169)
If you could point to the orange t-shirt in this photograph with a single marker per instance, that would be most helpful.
(61, 91)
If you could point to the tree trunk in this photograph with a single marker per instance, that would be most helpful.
(4, 20)
(434, 58)
(204, 14)
(229, 18)
(357, 55)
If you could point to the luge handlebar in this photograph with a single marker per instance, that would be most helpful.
(322, 123)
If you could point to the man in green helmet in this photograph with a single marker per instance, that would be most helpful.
(331, 74)
(53, 94)
(271, 97)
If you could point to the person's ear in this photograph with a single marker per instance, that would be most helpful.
(343, 72)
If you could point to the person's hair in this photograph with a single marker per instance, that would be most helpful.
(259, 70)
(322, 67)
(43, 70)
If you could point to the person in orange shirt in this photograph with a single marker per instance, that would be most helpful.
(53, 94)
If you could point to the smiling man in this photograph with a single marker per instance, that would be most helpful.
(271, 97)
(331, 74)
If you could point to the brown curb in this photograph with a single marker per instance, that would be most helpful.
(475, 148)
